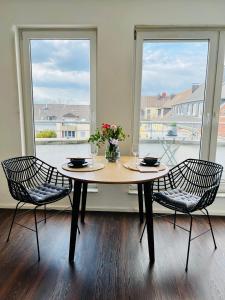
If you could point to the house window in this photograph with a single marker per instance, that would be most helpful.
(50, 118)
(195, 109)
(179, 110)
(185, 109)
(82, 134)
(200, 109)
(148, 111)
(189, 109)
(60, 74)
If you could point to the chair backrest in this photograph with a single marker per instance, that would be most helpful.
(195, 175)
(28, 170)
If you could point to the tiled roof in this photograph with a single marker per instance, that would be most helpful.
(198, 94)
(61, 111)
(166, 102)
(153, 101)
(178, 98)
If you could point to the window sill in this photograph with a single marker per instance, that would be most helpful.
(92, 190)
(221, 194)
(132, 192)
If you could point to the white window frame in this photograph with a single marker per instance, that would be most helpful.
(23, 35)
(216, 101)
(212, 99)
(217, 95)
(168, 34)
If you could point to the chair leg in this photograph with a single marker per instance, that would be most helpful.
(78, 229)
(36, 230)
(45, 213)
(174, 219)
(14, 215)
(143, 232)
(70, 201)
(71, 206)
(211, 228)
(174, 225)
(189, 242)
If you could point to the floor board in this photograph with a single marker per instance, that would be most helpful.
(110, 263)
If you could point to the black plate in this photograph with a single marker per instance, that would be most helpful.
(77, 166)
(77, 161)
(142, 163)
(149, 160)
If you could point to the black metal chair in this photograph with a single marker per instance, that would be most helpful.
(190, 186)
(30, 180)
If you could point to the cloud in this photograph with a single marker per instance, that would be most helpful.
(61, 71)
(65, 54)
(47, 74)
(44, 95)
(173, 67)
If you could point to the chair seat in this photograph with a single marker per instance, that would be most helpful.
(46, 193)
(177, 199)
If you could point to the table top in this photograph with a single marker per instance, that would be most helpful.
(114, 173)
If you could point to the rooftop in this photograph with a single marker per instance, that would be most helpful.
(61, 112)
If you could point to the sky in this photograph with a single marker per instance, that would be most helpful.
(61, 68)
(61, 71)
(172, 67)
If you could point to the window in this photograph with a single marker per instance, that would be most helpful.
(195, 110)
(200, 109)
(172, 62)
(190, 109)
(168, 63)
(59, 83)
(219, 111)
(83, 134)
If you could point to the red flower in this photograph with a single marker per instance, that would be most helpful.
(105, 125)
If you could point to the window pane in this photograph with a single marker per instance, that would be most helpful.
(61, 97)
(172, 97)
(220, 157)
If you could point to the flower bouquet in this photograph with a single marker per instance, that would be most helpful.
(111, 134)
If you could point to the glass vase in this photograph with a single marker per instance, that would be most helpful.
(112, 152)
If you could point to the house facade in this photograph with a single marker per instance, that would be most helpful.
(66, 120)
(159, 115)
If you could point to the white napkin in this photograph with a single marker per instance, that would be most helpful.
(151, 169)
(143, 169)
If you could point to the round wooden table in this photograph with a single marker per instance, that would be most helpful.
(113, 173)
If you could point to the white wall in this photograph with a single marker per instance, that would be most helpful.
(115, 21)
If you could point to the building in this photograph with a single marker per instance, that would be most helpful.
(66, 120)
(52, 112)
(151, 106)
(183, 111)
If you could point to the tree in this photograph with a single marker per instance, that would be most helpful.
(46, 134)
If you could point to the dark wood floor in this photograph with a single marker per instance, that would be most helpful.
(110, 262)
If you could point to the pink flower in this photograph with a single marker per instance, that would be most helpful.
(113, 127)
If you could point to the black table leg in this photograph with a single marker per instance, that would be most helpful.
(83, 201)
(140, 202)
(74, 219)
(148, 190)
